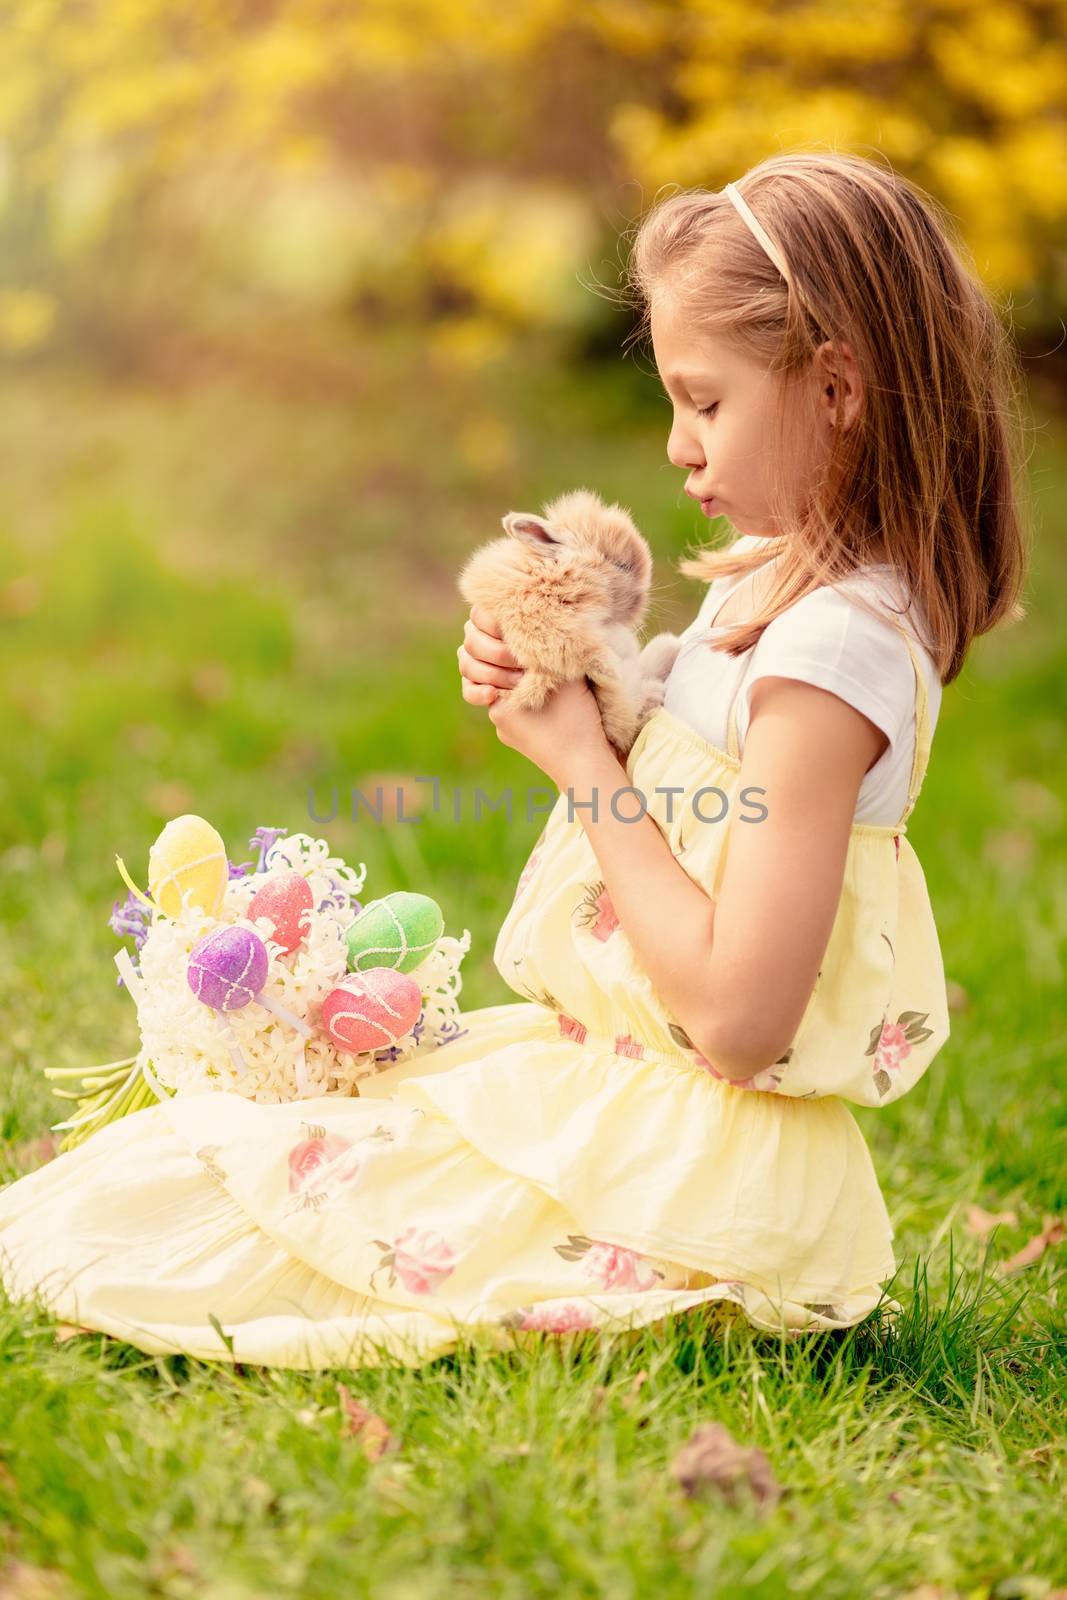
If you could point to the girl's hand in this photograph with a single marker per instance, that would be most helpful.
(485, 662)
(566, 730)
(568, 724)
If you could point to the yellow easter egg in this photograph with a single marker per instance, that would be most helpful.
(188, 864)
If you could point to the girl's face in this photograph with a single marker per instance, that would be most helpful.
(725, 421)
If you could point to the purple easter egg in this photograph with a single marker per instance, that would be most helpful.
(228, 968)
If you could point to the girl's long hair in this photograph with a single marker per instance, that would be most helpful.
(933, 469)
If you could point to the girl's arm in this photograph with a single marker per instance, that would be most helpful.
(738, 972)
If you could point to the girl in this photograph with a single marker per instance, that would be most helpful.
(717, 944)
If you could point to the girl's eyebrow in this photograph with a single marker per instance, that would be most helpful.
(684, 378)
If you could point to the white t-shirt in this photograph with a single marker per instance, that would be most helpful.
(823, 639)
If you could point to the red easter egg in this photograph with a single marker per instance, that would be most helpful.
(284, 900)
(372, 1009)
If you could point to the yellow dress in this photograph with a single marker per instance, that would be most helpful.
(569, 1162)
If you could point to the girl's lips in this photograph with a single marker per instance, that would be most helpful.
(710, 507)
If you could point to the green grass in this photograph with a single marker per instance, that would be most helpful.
(225, 594)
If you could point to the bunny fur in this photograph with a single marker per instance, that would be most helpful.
(568, 588)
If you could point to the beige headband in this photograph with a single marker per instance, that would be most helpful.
(761, 234)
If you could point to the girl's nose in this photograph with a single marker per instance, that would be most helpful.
(682, 452)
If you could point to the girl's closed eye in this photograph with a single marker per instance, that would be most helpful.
(706, 411)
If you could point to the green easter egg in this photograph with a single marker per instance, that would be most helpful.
(398, 931)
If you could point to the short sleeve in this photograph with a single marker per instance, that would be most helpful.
(827, 640)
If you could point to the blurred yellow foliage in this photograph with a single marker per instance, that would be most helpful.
(488, 147)
(487, 444)
(968, 99)
(515, 246)
(27, 317)
(466, 344)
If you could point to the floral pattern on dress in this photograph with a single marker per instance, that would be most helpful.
(596, 912)
(420, 1257)
(206, 1156)
(323, 1162)
(626, 1045)
(565, 1316)
(891, 1044)
(766, 1082)
(317, 1150)
(540, 997)
(611, 1266)
(552, 1317)
(527, 873)
(571, 1028)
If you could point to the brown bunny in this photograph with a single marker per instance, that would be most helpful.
(567, 589)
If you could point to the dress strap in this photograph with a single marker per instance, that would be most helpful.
(732, 743)
(922, 729)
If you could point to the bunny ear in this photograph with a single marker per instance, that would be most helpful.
(530, 529)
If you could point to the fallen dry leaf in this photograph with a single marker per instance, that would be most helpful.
(172, 1561)
(1012, 848)
(957, 996)
(982, 1222)
(712, 1460)
(259, 1494)
(506, 1451)
(358, 1420)
(20, 596)
(1036, 802)
(638, 1383)
(53, 849)
(210, 682)
(299, 754)
(170, 797)
(394, 794)
(1051, 1233)
(143, 738)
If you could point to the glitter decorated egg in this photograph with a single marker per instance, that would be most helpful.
(371, 1010)
(188, 862)
(397, 931)
(284, 900)
(228, 967)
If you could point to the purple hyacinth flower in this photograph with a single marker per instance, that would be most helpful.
(262, 840)
(130, 918)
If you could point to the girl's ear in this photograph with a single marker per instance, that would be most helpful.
(841, 384)
(531, 530)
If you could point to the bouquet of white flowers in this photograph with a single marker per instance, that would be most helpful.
(269, 978)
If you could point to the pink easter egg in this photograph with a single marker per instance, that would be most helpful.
(372, 1009)
(284, 900)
